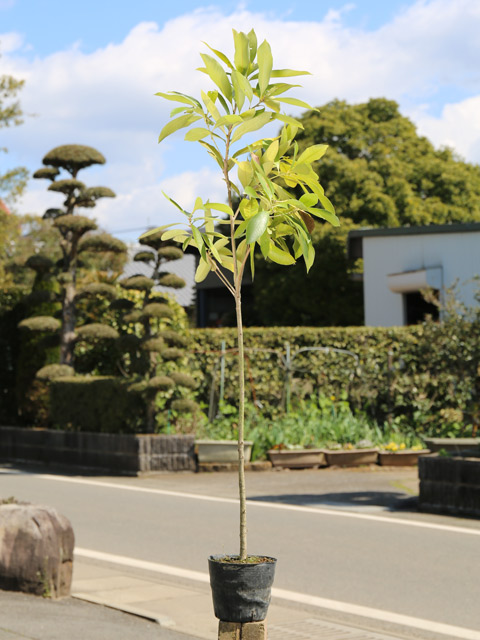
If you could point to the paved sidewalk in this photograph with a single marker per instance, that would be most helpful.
(27, 617)
(186, 607)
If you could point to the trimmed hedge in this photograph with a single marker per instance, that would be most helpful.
(100, 404)
(424, 376)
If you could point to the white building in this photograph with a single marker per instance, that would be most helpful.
(400, 262)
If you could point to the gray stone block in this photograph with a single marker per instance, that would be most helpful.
(36, 550)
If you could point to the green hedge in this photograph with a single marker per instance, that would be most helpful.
(423, 376)
(101, 404)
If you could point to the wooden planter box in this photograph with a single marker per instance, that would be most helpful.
(450, 484)
(351, 457)
(111, 452)
(220, 451)
(405, 458)
(297, 458)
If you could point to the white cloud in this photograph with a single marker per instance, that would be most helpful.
(457, 127)
(106, 98)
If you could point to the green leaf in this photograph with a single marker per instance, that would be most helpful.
(219, 206)
(248, 208)
(240, 230)
(202, 271)
(210, 105)
(327, 204)
(265, 64)
(267, 185)
(256, 226)
(272, 104)
(242, 54)
(252, 41)
(168, 235)
(264, 242)
(251, 192)
(197, 236)
(178, 97)
(313, 153)
(239, 93)
(257, 122)
(176, 124)
(193, 135)
(309, 199)
(245, 173)
(218, 75)
(223, 102)
(280, 87)
(295, 102)
(325, 215)
(309, 257)
(228, 120)
(175, 204)
(198, 204)
(288, 120)
(288, 73)
(220, 55)
(241, 84)
(271, 153)
(157, 229)
(252, 262)
(177, 110)
(280, 256)
(213, 152)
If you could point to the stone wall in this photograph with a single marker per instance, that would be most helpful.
(117, 453)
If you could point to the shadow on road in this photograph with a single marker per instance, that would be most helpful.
(389, 501)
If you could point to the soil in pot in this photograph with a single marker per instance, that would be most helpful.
(241, 591)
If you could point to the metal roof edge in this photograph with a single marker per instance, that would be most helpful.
(458, 227)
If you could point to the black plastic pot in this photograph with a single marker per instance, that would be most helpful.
(241, 591)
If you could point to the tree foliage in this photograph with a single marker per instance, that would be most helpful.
(155, 358)
(384, 174)
(13, 181)
(78, 245)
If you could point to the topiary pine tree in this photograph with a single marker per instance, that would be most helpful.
(160, 346)
(77, 241)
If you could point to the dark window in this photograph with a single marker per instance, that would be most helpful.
(416, 308)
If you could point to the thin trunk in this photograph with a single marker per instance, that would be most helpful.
(241, 429)
(67, 336)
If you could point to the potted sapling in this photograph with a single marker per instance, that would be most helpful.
(272, 197)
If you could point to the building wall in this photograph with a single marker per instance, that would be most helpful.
(457, 253)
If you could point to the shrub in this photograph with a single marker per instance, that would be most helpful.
(100, 404)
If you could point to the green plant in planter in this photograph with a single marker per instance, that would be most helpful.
(276, 192)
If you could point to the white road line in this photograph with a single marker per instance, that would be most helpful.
(264, 505)
(293, 596)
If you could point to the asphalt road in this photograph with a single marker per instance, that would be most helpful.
(336, 537)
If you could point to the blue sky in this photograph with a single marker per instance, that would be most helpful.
(91, 70)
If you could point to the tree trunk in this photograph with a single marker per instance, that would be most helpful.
(67, 335)
(241, 429)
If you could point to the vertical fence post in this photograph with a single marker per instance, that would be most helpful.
(288, 377)
(222, 371)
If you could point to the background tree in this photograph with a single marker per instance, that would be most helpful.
(13, 181)
(76, 240)
(155, 340)
(383, 174)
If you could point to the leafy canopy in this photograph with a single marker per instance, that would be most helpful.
(12, 181)
(383, 173)
(276, 188)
